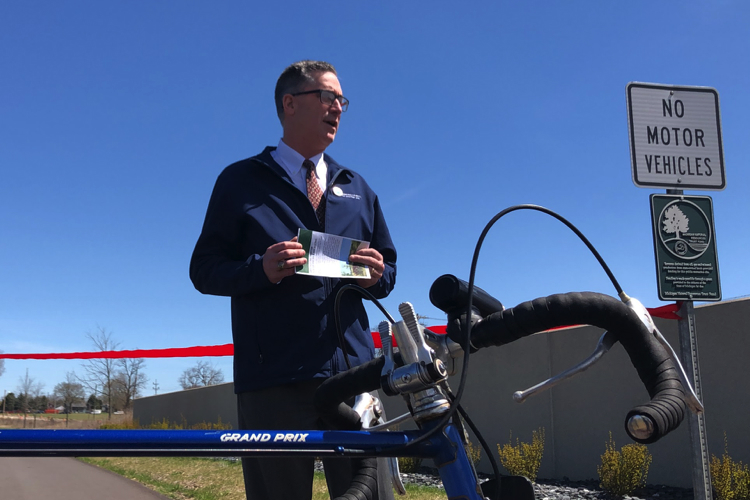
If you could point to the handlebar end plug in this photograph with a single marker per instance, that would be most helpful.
(640, 427)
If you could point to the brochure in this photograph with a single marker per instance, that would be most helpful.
(328, 255)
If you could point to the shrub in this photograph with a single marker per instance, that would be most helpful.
(165, 424)
(622, 472)
(210, 426)
(409, 464)
(523, 459)
(730, 479)
(120, 426)
(474, 452)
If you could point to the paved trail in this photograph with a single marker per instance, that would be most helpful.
(37, 478)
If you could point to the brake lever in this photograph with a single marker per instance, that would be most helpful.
(605, 343)
(371, 414)
(691, 399)
(393, 423)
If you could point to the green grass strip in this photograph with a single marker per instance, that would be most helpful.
(168, 489)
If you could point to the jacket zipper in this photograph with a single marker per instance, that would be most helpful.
(327, 282)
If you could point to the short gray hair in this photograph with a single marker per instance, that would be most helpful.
(296, 76)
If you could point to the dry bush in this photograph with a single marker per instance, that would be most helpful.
(730, 479)
(523, 459)
(409, 464)
(474, 453)
(622, 472)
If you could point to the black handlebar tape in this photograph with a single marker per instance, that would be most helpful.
(330, 396)
(329, 403)
(364, 484)
(654, 366)
(449, 293)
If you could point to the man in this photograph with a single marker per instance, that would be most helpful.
(285, 341)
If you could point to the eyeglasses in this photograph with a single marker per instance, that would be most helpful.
(327, 97)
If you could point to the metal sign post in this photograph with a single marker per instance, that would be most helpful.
(696, 423)
(675, 143)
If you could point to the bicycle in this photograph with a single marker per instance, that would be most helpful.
(419, 371)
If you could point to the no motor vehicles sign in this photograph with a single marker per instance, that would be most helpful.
(675, 137)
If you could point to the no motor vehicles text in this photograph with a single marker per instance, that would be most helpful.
(678, 164)
(669, 135)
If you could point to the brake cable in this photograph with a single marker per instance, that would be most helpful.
(337, 316)
(466, 346)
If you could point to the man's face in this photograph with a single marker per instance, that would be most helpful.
(313, 123)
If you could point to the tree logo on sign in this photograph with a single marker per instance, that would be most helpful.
(677, 219)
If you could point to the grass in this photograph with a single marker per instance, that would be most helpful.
(78, 416)
(179, 477)
(208, 479)
(57, 421)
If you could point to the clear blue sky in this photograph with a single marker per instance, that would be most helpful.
(116, 118)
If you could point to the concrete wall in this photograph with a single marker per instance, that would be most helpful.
(204, 404)
(579, 414)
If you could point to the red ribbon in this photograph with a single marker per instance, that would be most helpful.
(175, 352)
(667, 312)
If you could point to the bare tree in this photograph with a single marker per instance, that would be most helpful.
(101, 372)
(201, 375)
(118, 392)
(29, 389)
(70, 391)
(130, 379)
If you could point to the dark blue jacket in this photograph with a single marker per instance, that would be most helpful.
(286, 332)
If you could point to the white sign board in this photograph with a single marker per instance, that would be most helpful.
(675, 137)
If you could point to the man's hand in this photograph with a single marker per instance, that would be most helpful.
(372, 259)
(281, 258)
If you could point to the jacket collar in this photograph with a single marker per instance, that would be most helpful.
(334, 169)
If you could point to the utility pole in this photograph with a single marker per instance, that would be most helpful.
(156, 386)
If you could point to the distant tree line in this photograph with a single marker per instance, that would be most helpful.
(112, 384)
(23, 404)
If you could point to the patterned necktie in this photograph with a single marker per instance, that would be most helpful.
(314, 193)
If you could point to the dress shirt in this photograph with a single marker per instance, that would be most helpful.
(291, 161)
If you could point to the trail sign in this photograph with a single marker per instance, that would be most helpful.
(685, 247)
(675, 136)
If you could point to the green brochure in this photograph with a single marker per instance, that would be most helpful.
(328, 255)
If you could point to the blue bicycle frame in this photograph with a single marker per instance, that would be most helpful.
(445, 447)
